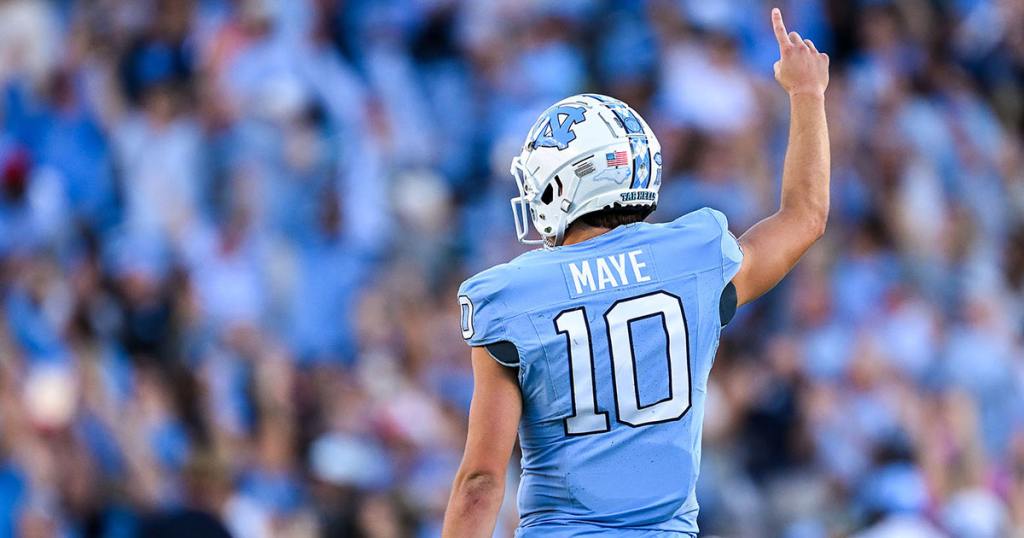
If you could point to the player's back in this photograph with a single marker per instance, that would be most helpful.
(614, 339)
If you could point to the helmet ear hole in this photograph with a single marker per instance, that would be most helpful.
(549, 194)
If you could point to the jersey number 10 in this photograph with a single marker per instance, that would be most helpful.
(585, 418)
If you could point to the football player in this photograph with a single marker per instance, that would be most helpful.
(597, 347)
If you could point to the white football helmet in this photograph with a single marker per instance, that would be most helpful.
(585, 153)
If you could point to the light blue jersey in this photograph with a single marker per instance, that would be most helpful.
(615, 338)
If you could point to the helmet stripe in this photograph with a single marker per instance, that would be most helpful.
(626, 118)
(641, 162)
(647, 164)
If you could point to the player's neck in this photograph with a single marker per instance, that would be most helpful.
(581, 232)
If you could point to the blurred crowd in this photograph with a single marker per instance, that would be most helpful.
(231, 233)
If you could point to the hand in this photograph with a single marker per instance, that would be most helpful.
(801, 68)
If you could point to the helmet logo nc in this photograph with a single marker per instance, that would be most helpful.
(556, 129)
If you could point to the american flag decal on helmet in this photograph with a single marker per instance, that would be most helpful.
(617, 158)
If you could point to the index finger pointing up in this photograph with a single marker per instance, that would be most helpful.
(781, 35)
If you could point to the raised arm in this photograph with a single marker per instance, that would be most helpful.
(493, 421)
(773, 246)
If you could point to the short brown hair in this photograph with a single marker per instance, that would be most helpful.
(612, 217)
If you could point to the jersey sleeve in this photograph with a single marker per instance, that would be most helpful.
(729, 246)
(720, 254)
(719, 248)
(482, 312)
(731, 260)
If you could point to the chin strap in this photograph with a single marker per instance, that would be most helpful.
(566, 206)
(559, 236)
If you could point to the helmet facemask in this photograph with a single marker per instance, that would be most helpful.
(545, 207)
